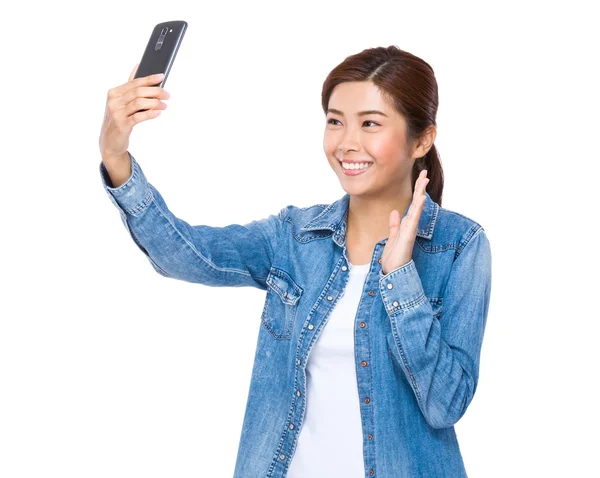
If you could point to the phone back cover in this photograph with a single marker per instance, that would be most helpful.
(158, 58)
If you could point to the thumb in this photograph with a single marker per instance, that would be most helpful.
(132, 75)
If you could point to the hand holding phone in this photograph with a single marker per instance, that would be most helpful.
(123, 111)
(139, 99)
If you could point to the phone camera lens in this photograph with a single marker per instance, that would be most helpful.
(164, 31)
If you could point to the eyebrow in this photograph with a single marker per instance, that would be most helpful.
(360, 113)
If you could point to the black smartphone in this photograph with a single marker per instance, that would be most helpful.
(161, 50)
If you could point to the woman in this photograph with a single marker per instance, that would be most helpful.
(371, 332)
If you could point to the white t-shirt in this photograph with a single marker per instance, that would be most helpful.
(331, 440)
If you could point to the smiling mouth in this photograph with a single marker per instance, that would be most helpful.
(355, 171)
(363, 165)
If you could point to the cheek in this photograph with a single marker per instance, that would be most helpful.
(384, 149)
(329, 144)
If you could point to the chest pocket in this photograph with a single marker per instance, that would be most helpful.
(281, 304)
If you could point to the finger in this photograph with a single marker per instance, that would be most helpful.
(151, 80)
(144, 104)
(424, 181)
(394, 226)
(421, 181)
(132, 76)
(145, 81)
(418, 204)
(394, 222)
(145, 92)
(419, 192)
(143, 116)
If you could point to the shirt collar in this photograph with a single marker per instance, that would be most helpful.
(334, 218)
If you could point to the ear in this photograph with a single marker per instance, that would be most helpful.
(425, 142)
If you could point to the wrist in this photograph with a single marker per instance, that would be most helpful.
(115, 158)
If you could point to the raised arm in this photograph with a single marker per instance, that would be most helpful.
(235, 255)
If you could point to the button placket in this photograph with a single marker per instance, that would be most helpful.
(364, 363)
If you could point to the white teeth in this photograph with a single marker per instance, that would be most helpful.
(355, 165)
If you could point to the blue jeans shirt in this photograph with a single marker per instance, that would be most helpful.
(418, 329)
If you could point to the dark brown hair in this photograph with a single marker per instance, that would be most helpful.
(409, 84)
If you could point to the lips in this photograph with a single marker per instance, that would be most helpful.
(355, 172)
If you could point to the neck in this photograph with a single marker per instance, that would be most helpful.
(368, 217)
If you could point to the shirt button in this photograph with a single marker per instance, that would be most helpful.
(297, 361)
(291, 426)
(282, 457)
(344, 268)
(371, 472)
(395, 303)
(298, 392)
(370, 436)
(329, 297)
(390, 286)
(379, 260)
(311, 326)
(363, 363)
(367, 400)
(362, 325)
(371, 292)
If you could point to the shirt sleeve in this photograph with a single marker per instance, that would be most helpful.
(440, 355)
(236, 255)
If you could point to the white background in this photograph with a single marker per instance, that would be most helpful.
(109, 369)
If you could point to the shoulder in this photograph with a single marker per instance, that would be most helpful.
(455, 230)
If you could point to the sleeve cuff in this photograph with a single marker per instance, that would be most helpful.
(401, 289)
(134, 195)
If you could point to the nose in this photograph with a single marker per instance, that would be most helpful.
(348, 143)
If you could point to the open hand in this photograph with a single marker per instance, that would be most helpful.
(399, 246)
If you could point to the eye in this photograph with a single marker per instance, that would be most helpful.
(367, 121)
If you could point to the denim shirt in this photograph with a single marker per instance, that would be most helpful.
(418, 330)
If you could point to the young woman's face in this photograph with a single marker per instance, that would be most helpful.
(378, 139)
